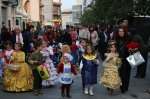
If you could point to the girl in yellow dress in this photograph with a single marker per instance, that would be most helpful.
(110, 77)
(17, 81)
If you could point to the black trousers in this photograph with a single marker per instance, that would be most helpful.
(67, 87)
(125, 71)
(141, 69)
(37, 85)
(103, 49)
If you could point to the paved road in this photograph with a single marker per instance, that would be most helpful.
(137, 90)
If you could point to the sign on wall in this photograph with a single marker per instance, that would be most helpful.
(56, 1)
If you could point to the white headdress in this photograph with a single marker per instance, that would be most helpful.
(68, 56)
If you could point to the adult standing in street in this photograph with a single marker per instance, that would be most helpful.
(143, 49)
(51, 36)
(66, 38)
(82, 32)
(21, 38)
(92, 36)
(122, 38)
(103, 42)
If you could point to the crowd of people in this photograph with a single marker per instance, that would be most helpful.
(32, 48)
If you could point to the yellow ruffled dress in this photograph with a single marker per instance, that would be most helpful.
(110, 77)
(17, 81)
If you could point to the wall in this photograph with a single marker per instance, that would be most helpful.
(34, 10)
(66, 18)
(76, 13)
(47, 9)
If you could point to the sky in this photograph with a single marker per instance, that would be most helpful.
(67, 4)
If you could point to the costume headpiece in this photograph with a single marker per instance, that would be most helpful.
(111, 42)
(68, 56)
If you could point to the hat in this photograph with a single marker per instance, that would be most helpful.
(68, 56)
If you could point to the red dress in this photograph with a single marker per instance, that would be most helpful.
(7, 55)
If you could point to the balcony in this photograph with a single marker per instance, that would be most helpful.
(41, 17)
(84, 3)
(12, 2)
(57, 12)
(57, 3)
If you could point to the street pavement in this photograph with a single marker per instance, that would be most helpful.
(137, 89)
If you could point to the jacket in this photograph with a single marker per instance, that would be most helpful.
(94, 37)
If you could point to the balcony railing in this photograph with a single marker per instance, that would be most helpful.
(41, 17)
(13, 2)
(57, 12)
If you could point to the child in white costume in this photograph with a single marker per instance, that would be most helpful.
(47, 51)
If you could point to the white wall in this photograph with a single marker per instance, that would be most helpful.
(66, 18)
(47, 9)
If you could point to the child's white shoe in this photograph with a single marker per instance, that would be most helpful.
(91, 93)
(86, 91)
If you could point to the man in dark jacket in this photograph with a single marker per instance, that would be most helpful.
(66, 38)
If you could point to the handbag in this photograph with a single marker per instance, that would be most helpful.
(42, 69)
(135, 59)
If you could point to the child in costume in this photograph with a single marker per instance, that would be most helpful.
(74, 54)
(22, 80)
(36, 59)
(88, 68)
(64, 49)
(46, 52)
(110, 78)
(66, 68)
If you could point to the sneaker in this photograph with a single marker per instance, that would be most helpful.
(40, 92)
(36, 93)
(86, 91)
(91, 93)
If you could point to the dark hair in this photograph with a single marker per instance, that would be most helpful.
(93, 51)
(74, 41)
(134, 31)
(67, 26)
(49, 27)
(19, 45)
(8, 43)
(123, 19)
(110, 25)
(37, 44)
(84, 39)
(116, 35)
(103, 29)
(91, 26)
(109, 46)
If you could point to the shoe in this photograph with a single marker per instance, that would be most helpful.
(148, 90)
(40, 92)
(62, 94)
(36, 93)
(140, 76)
(123, 92)
(68, 96)
(86, 91)
(112, 92)
(108, 89)
(91, 93)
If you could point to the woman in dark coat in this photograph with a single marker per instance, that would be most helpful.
(122, 38)
(141, 69)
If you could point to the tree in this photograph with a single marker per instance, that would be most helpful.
(141, 7)
(38, 25)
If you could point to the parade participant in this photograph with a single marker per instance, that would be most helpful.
(88, 68)
(66, 68)
(21, 80)
(7, 53)
(110, 77)
(46, 52)
(72, 33)
(74, 54)
(122, 38)
(81, 46)
(36, 59)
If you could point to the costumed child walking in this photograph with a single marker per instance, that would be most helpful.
(110, 78)
(22, 80)
(74, 54)
(88, 68)
(47, 52)
(36, 59)
(66, 68)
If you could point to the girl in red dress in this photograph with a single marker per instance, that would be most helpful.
(7, 52)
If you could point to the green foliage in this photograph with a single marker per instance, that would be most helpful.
(38, 25)
(105, 10)
(141, 7)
